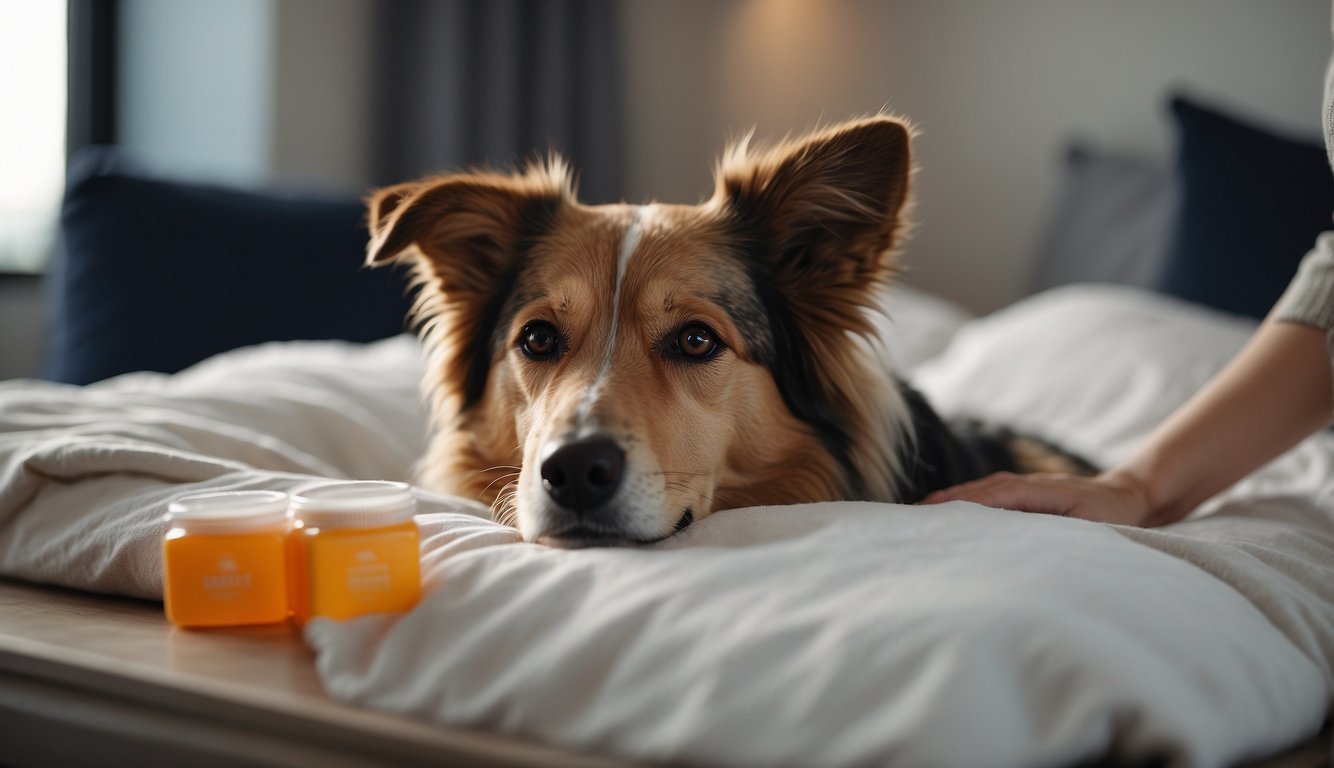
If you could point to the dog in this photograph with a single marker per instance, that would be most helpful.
(606, 375)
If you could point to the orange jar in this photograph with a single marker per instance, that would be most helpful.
(223, 559)
(353, 548)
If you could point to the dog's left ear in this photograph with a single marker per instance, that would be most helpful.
(823, 214)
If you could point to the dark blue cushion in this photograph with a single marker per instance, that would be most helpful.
(157, 275)
(1252, 203)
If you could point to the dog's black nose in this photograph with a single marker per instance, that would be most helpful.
(583, 475)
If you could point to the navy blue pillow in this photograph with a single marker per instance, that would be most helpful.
(1252, 203)
(157, 275)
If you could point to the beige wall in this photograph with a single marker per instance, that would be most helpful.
(321, 97)
(995, 87)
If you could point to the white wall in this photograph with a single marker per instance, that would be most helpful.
(247, 91)
(995, 87)
(195, 86)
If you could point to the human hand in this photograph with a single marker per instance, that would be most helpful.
(1108, 498)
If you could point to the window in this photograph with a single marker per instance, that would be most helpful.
(32, 132)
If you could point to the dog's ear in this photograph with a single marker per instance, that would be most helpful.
(822, 215)
(383, 202)
(465, 229)
(464, 236)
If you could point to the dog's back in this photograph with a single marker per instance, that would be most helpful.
(945, 454)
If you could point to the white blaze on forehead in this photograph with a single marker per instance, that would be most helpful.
(629, 243)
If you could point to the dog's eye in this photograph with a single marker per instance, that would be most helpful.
(696, 342)
(539, 341)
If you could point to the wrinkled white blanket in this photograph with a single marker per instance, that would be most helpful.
(833, 634)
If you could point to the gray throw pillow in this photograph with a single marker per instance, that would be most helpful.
(1112, 221)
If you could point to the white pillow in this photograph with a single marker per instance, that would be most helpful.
(1092, 367)
(916, 325)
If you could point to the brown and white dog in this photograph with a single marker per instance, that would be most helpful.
(608, 374)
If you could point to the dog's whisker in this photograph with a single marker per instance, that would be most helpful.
(498, 466)
(504, 510)
(681, 487)
(504, 477)
(739, 495)
(707, 498)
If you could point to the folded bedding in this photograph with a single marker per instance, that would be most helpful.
(830, 634)
(86, 472)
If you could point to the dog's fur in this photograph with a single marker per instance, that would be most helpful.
(550, 322)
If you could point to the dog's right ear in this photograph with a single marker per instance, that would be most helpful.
(465, 229)
(464, 235)
(383, 202)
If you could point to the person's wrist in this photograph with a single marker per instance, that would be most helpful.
(1136, 496)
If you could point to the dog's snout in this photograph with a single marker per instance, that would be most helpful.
(584, 474)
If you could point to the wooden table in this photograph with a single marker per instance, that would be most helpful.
(93, 680)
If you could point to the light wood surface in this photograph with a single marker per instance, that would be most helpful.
(86, 679)
(92, 680)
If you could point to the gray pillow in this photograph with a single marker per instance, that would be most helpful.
(1112, 221)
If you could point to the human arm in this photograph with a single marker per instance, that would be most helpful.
(1275, 392)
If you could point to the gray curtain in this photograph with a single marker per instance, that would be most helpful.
(467, 82)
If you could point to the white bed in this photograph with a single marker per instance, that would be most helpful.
(833, 634)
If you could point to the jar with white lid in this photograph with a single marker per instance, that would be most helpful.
(353, 548)
(224, 559)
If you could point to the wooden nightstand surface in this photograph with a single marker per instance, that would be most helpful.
(87, 679)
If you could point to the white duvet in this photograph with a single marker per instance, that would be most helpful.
(831, 634)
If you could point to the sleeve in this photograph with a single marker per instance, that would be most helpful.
(1309, 299)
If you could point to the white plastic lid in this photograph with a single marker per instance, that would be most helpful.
(353, 504)
(228, 511)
